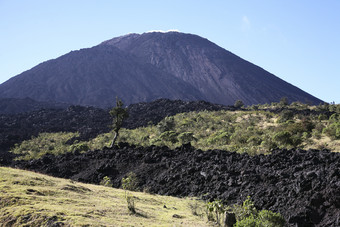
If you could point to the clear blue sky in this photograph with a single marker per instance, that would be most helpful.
(298, 41)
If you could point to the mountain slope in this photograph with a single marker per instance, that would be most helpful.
(147, 67)
(95, 76)
(220, 76)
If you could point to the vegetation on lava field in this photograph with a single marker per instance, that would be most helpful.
(254, 130)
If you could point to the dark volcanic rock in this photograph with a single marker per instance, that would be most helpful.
(88, 121)
(142, 114)
(304, 186)
(14, 106)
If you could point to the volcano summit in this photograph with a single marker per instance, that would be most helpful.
(149, 66)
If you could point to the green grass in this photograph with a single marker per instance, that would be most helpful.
(32, 199)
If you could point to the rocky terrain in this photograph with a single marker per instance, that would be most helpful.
(146, 67)
(90, 121)
(15, 106)
(304, 186)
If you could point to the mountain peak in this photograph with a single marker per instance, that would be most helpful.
(149, 66)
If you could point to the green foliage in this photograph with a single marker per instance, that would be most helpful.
(285, 115)
(333, 128)
(119, 114)
(253, 132)
(264, 218)
(220, 137)
(79, 147)
(248, 215)
(322, 117)
(215, 211)
(247, 209)
(106, 182)
(130, 182)
(239, 104)
(44, 143)
(169, 136)
(186, 137)
(283, 138)
(167, 124)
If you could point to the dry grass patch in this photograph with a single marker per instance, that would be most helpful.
(31, 199)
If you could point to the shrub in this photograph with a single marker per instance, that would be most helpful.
(285, 116)
(322, 117)
(79, 147)
(167, 124)
(186, 137)
(106, 182)
(283, 138)
(169, 136)
(215, 211)
(239, 104)
(221, 137)
(332, 130)
(130, 182)
(247, 215)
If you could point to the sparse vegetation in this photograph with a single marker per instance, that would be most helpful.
(45, 143)
(250, 131)
(246, 214)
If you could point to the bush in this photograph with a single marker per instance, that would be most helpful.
(186, 137)
(215, 211)
(169, 136)
(239, 104)
(332, 130)
(285, 116)
(167, 124)
(220, 137)
(79, 147)
(106, 182)
(247, 215)
(130, 182)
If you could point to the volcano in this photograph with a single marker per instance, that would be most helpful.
(145, 67)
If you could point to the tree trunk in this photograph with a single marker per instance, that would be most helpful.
(114, 140)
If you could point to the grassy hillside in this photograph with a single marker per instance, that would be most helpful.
(250, 130)
(31, 199)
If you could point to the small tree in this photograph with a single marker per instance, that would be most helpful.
(119, 114)
(239, 104)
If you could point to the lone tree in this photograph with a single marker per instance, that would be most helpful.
(119, 114)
